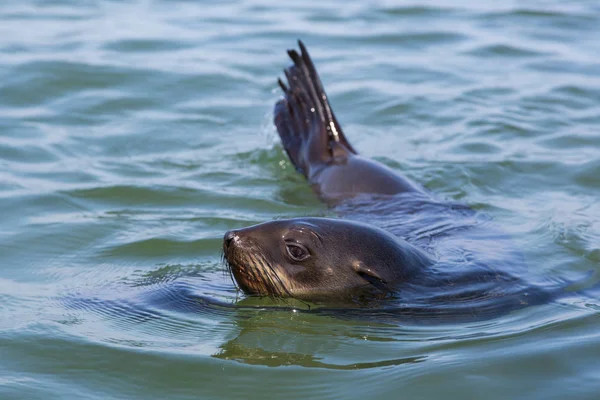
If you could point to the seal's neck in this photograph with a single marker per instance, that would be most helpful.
(413, 259)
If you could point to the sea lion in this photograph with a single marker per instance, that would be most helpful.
(426, 253)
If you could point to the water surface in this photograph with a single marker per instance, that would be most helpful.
(134, 133)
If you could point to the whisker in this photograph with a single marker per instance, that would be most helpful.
(282, 287)
(224, 261)
(261, 277)
(256, 278)
(269, 274)
(264, 276)
(230, 271)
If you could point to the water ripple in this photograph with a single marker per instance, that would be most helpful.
(134, 133)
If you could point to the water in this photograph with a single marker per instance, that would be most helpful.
(133, 134)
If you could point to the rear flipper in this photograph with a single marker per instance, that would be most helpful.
(309, 131)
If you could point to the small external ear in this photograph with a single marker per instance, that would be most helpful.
(371, 276)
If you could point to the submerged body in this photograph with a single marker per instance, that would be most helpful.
(410, 247)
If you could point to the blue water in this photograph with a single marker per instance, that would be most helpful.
(134, 134)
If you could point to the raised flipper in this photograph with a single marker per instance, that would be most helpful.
(309, 131)
(316, 145)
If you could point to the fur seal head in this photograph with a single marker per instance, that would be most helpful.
(319, 259)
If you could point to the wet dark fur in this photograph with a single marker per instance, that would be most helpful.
(347, 262)
(474, 269)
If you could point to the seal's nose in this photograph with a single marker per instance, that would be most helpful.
(228, 238)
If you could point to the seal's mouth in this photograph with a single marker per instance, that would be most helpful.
(250, 269)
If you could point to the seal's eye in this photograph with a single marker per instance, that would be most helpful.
(296, 251)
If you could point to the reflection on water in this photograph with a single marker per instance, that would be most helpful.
(168, 309)
(279, 344)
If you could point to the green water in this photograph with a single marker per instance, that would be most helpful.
(134, 134)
